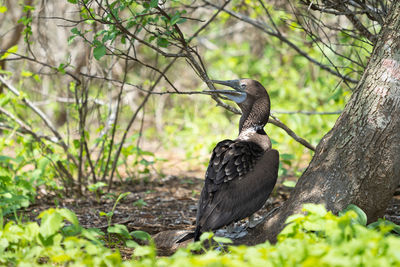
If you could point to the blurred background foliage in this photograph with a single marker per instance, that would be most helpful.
(173, 133)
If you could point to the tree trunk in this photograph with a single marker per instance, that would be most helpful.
(358, 161)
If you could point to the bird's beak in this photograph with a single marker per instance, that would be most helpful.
(238, 95)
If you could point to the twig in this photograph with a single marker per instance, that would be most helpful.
(270, 31)
(307, 112)
(281, 125)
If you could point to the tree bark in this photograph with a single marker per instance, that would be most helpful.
(358, 161)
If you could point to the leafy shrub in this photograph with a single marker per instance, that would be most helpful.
(316, 238)
(22, 169)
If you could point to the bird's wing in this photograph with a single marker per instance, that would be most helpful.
(231, 160)
(224, 190)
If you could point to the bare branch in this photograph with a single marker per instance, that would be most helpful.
(281, 125)
(307, 112)
(270, 31)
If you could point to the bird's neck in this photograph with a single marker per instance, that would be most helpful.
(254, 118)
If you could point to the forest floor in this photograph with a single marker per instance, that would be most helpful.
(155, 206)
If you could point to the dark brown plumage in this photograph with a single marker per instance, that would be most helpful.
(242, 172)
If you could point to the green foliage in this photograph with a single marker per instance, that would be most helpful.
(51, 242)
(132, 16)
(314, 238)
(21, 172)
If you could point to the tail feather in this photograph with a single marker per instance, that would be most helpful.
(185, 237)
(197, 233)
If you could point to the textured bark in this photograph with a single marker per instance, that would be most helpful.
(358, 161)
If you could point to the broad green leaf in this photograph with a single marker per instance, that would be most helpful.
(140, 235)
(119, 229)
(315, 209)
(142, 251)
(69, 216)
(153, 3)
(131, 244)
(51, 222)
(99, 52)
(206, 236)
(361, 216)
(162, 42)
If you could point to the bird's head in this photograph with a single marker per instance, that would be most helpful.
(250, 96)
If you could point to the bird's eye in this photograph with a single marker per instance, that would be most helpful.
(243, 86)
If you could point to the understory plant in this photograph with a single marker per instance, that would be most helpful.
(315, 238)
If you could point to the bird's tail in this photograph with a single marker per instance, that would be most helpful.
(197, 233)
(185, 237)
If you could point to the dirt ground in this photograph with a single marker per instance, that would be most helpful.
(165, 204)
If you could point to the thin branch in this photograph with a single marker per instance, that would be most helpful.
(275, 121)
(307, 112)
(269, 30)
(114, 165)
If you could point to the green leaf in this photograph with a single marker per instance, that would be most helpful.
(143, 251)
(3, 9)
(223, 240)
(99, 52)
(119, 229)
(139, 203)
(361, 216)
(73, 1)
(75, 31)
(10, 51)
(162, 42)
(206, 236)
(76, 143)
(141, 235)
(121, 196)
(96, 186)
(315, 209)
(131, 244)
(61, 68)
(69, 216)
(51, 222)
(175, 18)
(153, 3)
(289, 183)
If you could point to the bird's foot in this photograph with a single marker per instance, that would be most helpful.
(232, 231)
(253, 222)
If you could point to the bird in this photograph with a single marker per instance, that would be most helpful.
(242, 172)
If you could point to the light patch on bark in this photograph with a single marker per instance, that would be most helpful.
(388, 90)
(378, 120)
(391, 70)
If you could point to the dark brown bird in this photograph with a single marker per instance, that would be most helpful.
(242, 172)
